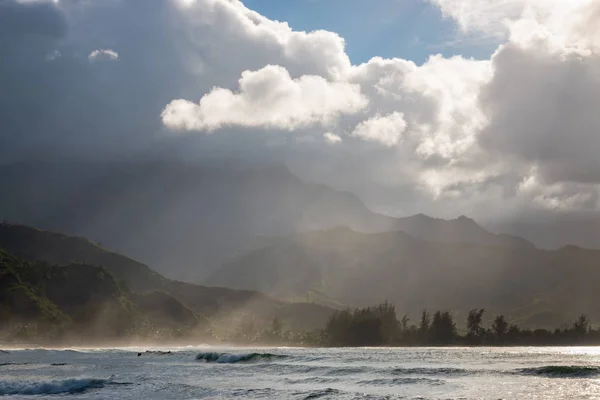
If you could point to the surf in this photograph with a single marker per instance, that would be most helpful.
(53, 387)
(228, 358)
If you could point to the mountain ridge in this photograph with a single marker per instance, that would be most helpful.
(361, 269)
(187, 219)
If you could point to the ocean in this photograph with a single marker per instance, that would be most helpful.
(298, 373)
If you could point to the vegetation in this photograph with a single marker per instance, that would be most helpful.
(379, 326)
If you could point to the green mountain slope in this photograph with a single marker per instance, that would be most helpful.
(80, 302)
(152, 292)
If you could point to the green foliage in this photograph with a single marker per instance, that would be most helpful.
(474, 328)
(443, 329)
(364, 327)
(500, 327)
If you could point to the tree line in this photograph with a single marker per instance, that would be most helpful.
(379, 326)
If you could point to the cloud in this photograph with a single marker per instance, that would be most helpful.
(567, 22)
(103, 54)
(332, 138)
(386, 130)
(541, 110)
(453, 135)
(268, 98)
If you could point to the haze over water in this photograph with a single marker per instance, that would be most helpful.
(293, 373)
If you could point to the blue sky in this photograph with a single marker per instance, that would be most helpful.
(409, 29)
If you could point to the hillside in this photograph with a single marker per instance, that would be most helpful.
(534, 286)
(186, 219)
(75, 301)
(153, 292)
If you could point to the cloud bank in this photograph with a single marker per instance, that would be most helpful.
(497, 136)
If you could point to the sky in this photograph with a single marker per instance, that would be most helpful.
(409, 29)
(445, 107)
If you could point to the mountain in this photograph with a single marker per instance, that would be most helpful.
(341, 265)
(459, 230)
(77, 301)
(161, 299)
(187, 219)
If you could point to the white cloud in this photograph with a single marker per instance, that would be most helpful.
(332, 138)
(568, 22)
(268, 98)
(453, 85)
(386, 130)
(106, 54)
(242, 39)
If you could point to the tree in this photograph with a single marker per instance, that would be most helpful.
(386, 313)
(443, 328)
(424, 326)
(500, 327)
(404, 323)
(475, 330)
(581, 326)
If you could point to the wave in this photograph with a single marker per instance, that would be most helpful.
(156, 353)
(400, 381)
(434, 371)
(311, 380)
(227, 358)
(67, 386)
(336, 371)
(562, 371)
(322, 393)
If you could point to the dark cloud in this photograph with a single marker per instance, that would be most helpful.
(542, 110)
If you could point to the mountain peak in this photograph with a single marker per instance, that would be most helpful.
(463, 219)
(461, 229)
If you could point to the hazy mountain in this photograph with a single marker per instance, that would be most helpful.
(79, 301)
(186, 219)
(344, 266)
(151, 291)
(461, 229)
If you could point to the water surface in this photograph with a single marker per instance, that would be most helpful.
(292, 373)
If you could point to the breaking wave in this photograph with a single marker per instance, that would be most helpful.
(67, 386)
(562, 371)
(227, 358)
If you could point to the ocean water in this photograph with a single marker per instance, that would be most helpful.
(294, 373)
